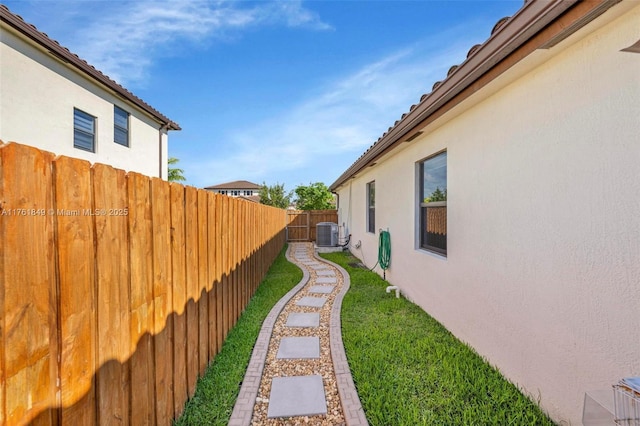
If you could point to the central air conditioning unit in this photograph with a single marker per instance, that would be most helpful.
(327, 234)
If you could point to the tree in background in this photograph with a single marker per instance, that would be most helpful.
(175, 174)
(316, 196)
(437, 195)
(274, 195)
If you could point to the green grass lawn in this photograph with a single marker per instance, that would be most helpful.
(409, 370)
(218, 389)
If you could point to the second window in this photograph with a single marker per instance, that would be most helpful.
(371, 206)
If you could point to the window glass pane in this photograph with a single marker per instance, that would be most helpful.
(120, 136)
(120, 126)
(83, 121)
(82, 140)
(121, 118)
(434, 179)
(433, 203)
(83, 130)
(434, 228)
(371, 207)
(372, 194)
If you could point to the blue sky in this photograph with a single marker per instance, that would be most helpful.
(286, 92)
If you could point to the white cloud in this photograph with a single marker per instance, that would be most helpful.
(124, 41)
(348, 116)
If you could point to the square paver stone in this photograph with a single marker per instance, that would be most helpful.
(299, 348)
(311, 301)
(323, 289)
(326, 280)
(320, 266)
(297, 396)
(325, 272)
(303, 319)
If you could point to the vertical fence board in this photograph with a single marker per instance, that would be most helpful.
(162, 293)
(233, 264)
(225, 266)
(141, 254)
(243, 249)
(250, 251)
(237, 266)
(191, 209)
(3, 238)
(112, 296)
(219, 288)
(76, 274)
(179, 302)
(29, 284)
(212, 279)
(203, 272)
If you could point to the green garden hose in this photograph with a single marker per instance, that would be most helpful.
(384, 251)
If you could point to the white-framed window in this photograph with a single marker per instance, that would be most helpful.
(120, 126)
(433, 203)
(371, 207)
(84, 131)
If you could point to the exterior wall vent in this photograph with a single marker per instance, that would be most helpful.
(327, 234)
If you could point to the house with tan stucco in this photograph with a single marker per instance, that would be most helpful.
(55, 101)
(511, 194)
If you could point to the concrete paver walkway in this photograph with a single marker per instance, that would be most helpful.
(298, 372)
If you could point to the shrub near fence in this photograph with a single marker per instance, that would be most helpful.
(116, 289)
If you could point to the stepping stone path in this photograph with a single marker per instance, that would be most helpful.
(298, 373)
(296, 319)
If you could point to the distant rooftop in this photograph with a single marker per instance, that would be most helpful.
(238, 184)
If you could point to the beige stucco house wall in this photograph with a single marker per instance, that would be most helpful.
(41, 84)
(542, 270)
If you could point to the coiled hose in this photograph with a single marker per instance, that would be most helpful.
(384, 251)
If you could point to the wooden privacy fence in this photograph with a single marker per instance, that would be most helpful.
(437, 219)
(116, 290)
(301, 224)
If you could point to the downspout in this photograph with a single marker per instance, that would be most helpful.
(165, 128)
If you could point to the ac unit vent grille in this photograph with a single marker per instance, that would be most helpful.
(327, 234)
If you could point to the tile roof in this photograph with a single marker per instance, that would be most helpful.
(238, 184)
(62, 53)
(508, 34)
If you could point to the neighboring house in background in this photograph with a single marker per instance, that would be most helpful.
(511, 195)
(55, 101)
(239, 188)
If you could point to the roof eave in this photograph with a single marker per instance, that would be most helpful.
(63, 54)
(530, 19)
